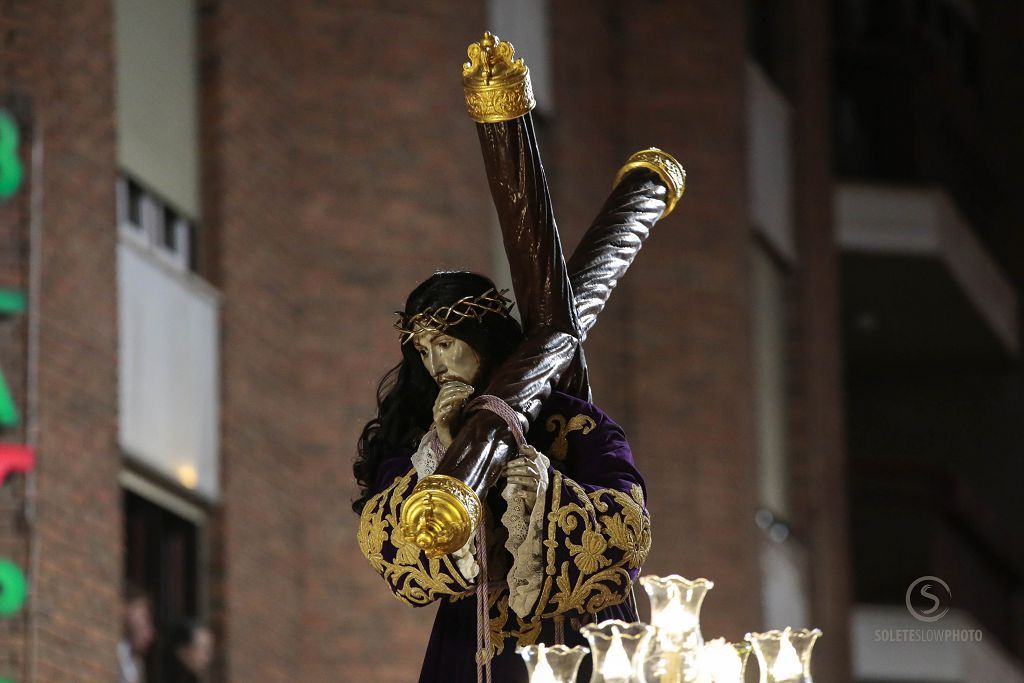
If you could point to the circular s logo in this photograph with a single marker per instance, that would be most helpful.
(928, 598)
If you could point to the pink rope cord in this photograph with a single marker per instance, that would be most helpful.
(505, 412)
(483, 625)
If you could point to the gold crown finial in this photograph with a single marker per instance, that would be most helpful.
(497, 85)
(665, 166)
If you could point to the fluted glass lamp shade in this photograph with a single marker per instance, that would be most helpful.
(554, 664)
(784, 656)
(617, 649)
(675, 613)
(724, 662)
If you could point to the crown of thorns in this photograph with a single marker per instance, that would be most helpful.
(441, 318)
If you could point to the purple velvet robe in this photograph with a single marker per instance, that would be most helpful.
(595, 539)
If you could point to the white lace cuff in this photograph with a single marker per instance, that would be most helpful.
(465, 560)
(525, 536)
(426, 457)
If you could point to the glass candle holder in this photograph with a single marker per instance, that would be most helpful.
(617, 649)
(784, 656)
(554, 664)
(675, 613)
(724, 662)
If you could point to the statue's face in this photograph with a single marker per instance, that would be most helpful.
(447, 358)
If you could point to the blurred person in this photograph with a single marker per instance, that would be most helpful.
(139, 634)
(191, 644)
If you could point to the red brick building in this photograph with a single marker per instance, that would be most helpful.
(224, 201)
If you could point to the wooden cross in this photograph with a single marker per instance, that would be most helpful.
(558, 303)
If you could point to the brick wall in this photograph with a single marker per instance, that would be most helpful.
(819, 467)
(583, 148)
(670, 358)
(246, 191)
(342, 170)
(395, 173)
(61, 62)
(678, 344)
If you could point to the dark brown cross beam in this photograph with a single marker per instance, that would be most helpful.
(558, 304)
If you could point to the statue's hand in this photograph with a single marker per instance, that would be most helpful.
(525, 473)
(450, 401)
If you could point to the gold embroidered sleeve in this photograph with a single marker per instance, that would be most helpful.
(412, 576)
(595, 544)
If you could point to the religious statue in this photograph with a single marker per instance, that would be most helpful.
(480, 400)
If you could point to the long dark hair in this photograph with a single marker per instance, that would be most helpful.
(406, 394)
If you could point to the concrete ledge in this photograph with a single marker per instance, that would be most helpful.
(924, 222)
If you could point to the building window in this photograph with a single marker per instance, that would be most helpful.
(156, 45)
(770, 364)
(134, 206)
(163, 556)
(148, 221)
(766, 36)
(169, 229)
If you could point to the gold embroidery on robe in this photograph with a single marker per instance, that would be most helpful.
(615, 534)
(610, 544)
(414, 578)
(607, 533)
(559, 448)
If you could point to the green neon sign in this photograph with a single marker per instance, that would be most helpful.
(11, 171)
(12, 302)
(13, 588)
